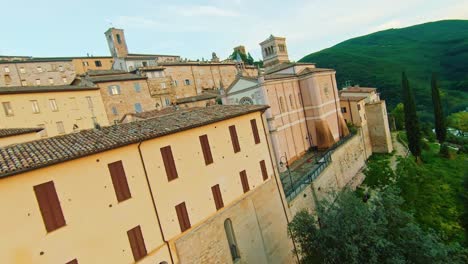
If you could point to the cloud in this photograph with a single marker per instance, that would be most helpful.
(205, 10)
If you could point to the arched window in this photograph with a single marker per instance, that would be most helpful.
(246, 101)
(266, 51)
(291, 101)
(118, 39)
(231, 237)
(282, 105)
(163, 262)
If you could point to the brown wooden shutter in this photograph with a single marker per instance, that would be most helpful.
(245, 181)
(234, 139)
(119, 180)
(205, 144)
(137, 243)
(72, 262)
(182, 215)
(253, 124)
(264, 170)
(217, 197)
(169, 163)
(49, 205)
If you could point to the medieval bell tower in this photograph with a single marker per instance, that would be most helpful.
(274, 51)
(116, 41)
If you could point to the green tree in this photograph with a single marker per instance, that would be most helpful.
(439, 118)
(250, 59)
(459, 121)
(349, 230)
(411, 119)
(398, 113)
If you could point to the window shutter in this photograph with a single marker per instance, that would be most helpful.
(244, 181)
(182, 215)
(205, 144)
(49, 206)
(264, 170)
(253, 124)
(218, 199)
(234, 139)
(169, 163)
(118, 89)
(119, 180)
(137, 243)
(109, 89)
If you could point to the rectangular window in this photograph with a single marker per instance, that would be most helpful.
(114, 89)
(169, 164)
(39, 69)
(51, 81)
(138, 108)
(175, 83)
(205, 144)
(61, 68)
(49, 205)
(244, 181)
(218, 199)
(187, 82)
(85, 63)
(137, 87)
(167, 101)
(234, 139)
(359, 107)
(163, 85)
(343, 109)
(264, 170)
(98, 63)
(119, 180)
(64, 79)
(137, 243)
(89, 100)
(6, 69)
(35, 107)
(114, 111)
(24, 83)
(60, 127)
(182, 215)
(7, 108)
(253, 124)
(38, 81)
(22, 70)
(144, 63)
(7, 79)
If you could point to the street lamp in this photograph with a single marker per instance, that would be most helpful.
(283, 163)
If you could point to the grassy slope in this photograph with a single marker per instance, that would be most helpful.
(378, 59)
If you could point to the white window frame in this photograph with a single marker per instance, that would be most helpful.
(38, 82)
(53, 105)
(22, 70)
(60, 127)
(8, 109)
(39, 69)
(163, 85)
(6, 69)
(187, 82)
(51, 81)
(35, 107)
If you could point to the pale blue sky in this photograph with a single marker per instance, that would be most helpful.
(194, 29)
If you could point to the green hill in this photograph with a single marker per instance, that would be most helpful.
(378, 59)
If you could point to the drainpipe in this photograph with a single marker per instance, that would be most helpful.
(279, 190)
(154, 203)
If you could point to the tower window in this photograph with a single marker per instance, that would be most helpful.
(98, 63)
(118, 39)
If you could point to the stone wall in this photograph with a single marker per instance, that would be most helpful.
(347, 160)
(259, 225)
(379, 130)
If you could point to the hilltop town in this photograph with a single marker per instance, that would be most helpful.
(152, 158)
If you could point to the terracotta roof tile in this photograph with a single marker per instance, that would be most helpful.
(7, 132)
(18, 158)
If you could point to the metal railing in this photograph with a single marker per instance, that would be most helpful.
(305, 180)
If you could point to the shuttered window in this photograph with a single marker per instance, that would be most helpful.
(264, 170)
(245, 181)
(119, 180)
(169, 163)
(218, 199)
(253, 124)
(234, 139)
(137, 243)
(72, 262)
(49, 205)
(205, 145)
(182, 215)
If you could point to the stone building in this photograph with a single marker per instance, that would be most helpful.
(121, 92)
(37, 72)
(363, 108)
(188, 187)
(84, 64)
(304, 102)
(56, 109)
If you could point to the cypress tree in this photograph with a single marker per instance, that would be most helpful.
(439, 119)
(411, 119)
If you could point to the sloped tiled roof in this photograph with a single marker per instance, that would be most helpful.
(115, 77)
(196, 98)
(44, 89)
(18, 158)
(158, 113)
(8, 132)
